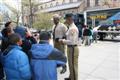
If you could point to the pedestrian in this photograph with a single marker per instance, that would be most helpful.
(36, 36)
(86, 34)
(46, 59)
(59, 31)
(8, 24)
(21, 30)
(91, 35)
(72, 40)
(27, 42)
(6, 32)
(15, 61)
(27, 39)
(4, 44)
(83, 28)
(95, 34)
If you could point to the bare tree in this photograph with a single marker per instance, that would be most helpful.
(16, 12)
(31, 14)
(31, 5)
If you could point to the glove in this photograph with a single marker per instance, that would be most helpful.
(64, 69)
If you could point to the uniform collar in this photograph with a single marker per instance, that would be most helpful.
(71, 24)
(57, 24)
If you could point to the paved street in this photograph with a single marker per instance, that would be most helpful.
(98, 61)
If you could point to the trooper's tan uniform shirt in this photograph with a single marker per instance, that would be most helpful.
(72, 35)
(73, 50)
(59, 32)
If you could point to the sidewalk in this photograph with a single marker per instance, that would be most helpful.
(98, 62)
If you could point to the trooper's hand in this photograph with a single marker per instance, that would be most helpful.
(61, 41)
(64, 69)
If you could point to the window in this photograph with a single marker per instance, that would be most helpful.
(71, 0)
(41, 7)
(63, 2)
(96, 2)
(46, 6)
(51, 5)
(64, 13)
(88, 3)
(57, 3)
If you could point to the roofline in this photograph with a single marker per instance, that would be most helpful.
(101, 9)
(65, 8)
(46, 2)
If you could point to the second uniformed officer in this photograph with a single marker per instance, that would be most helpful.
(72, 40)
(59, 30)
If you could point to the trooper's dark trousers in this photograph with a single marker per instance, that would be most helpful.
(73, 53)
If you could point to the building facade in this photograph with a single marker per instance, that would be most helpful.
(98, 11)
(63, 6)
(77, 6)
(102, 4)
(69, 6)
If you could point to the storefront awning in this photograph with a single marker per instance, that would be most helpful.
(112, 19)
(115, 17)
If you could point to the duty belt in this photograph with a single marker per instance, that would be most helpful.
(72, 45)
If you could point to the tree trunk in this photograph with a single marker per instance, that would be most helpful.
(31, 14)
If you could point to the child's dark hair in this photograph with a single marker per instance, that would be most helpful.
(8, 23)
(6, 31)
(45, 35)
(14, 38)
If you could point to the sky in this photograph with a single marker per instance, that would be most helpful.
(17, 3)
(14, 3)
(3, 8)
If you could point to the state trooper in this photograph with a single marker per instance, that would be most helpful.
(59, 31)
(72, 40)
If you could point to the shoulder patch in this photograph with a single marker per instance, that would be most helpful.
(73, 31)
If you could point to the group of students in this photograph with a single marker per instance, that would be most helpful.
(22, 58)
(88, 35)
